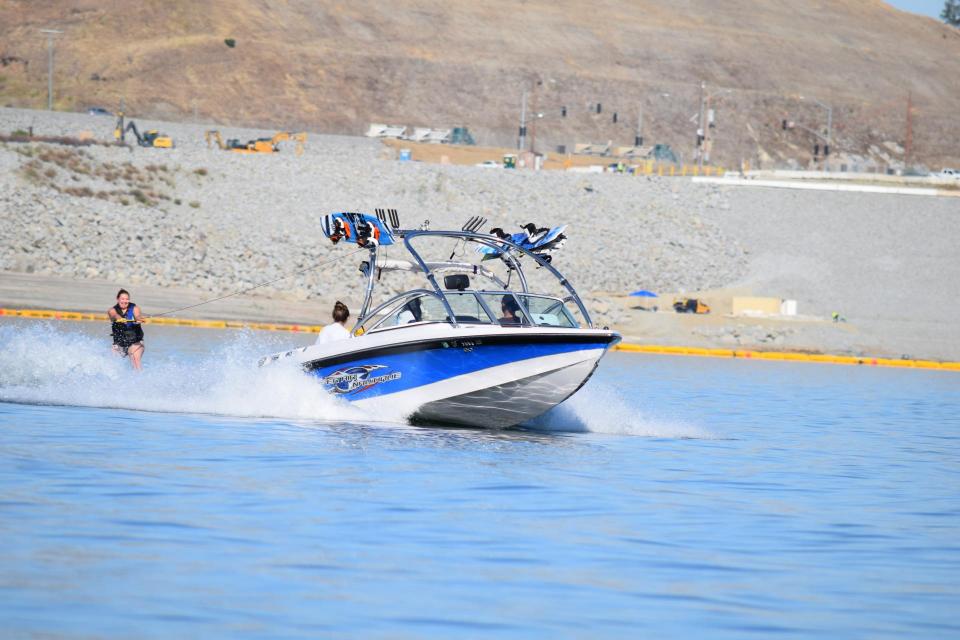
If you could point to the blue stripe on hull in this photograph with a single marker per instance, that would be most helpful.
(376, 375)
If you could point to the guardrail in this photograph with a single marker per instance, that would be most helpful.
(658, 169)
(648, 168)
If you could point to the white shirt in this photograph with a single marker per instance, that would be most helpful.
(332, 333)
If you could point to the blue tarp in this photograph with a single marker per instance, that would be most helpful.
(643, 293)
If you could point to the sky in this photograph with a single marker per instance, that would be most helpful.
(930, 8)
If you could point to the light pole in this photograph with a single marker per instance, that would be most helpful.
(533, 131)
(701, 127)
(521, 144)
(50, 33)
(826, 149)
(638, 138)
(710, 122)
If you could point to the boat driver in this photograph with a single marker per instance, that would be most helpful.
(509, 308)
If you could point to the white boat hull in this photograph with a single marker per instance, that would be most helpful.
(472, 376)
(510, 403)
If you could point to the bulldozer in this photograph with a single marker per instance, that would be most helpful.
(260, 145)
(151, 138)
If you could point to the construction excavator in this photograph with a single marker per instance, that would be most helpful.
(151, 138)
(260, 145)
(213, 137)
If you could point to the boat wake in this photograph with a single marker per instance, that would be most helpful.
(41, 363)
(600, 407)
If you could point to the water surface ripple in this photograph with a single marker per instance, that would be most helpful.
(671, 498)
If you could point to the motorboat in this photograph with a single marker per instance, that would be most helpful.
(474, 329)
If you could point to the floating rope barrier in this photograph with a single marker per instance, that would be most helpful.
(788, 355)
(46, 314)
(745, 354)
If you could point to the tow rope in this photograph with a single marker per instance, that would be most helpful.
(256, 286)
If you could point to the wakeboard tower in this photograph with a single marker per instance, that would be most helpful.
(476, 344)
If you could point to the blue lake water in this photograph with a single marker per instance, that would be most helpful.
(671, 498)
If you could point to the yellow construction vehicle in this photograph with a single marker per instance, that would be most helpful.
(213, 136)
(299, 138)
(260, 145)
(690, 305)
(151, 138)
(264, 145)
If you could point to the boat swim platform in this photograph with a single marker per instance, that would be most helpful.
(744, 354)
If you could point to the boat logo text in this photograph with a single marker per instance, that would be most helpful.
(356, 378)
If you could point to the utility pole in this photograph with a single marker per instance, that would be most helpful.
(827, 139)
(533, 128)
(829, 127)
(908, 138)
(522, 143)
(826, 149)
(50, 33)
(701, 127)
(707, 123)
(638, 139)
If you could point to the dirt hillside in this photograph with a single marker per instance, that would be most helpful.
(335, 67)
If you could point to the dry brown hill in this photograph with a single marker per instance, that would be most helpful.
(336, 66)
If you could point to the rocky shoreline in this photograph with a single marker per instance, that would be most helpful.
(202, 219)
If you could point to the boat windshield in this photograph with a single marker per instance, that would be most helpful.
(509, 309)
(428, 308)
(545, 311)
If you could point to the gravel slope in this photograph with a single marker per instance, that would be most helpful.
(215, 222)
(254, 218)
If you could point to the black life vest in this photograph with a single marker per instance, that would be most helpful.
(125, 329)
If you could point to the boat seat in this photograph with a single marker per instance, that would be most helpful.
(467, 319)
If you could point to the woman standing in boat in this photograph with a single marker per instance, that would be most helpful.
(127, 332)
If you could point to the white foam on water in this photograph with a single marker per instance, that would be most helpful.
(44, 364)
(41, 364)
(600, 407)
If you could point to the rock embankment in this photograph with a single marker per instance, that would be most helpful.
(217, 221)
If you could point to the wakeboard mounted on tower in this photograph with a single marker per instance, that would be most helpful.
(370, 231)
(362, 229)
(540, 241)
